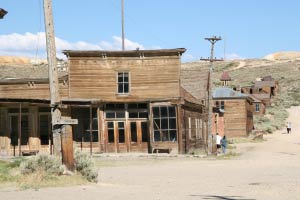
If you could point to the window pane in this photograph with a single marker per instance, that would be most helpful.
(110, 114)
(95, 136)
(120, 114)
(164, 111)
(172, 123)
(111, 136)
(110, 106)
(164, 123)
(173, 135)
(44, 129)
(110, 125)
(120, 106)
(133, 115)
(126, 87)
(143, 114)
(144, 132)
(157, 136)
(132, 106)
(120, 79)
(165, 136)
(133, 132)
(121, 136)
(172, 112)
(121, 132)
(156, 124)
(126, 79)
(95, 124)
(155, 112)
(120, 88)
(142, 106)
(121, 125)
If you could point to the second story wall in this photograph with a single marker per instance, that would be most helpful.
(124, 77)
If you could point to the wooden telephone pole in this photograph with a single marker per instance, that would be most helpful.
(123, 32)
(62, 136)
(211, 140)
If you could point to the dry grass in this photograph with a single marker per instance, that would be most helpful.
(11, 176)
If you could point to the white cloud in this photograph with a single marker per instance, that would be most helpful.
(233, 56)
(34, 45)
(188, 58)
(117, 44)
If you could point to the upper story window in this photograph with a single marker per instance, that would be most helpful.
(123, 82)
(220, 104)
(257, 107)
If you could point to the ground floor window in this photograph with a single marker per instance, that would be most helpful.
(164, 123)
(14, 129)
(45, 128)
(87, 128)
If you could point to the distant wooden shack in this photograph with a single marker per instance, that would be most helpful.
(233, 114)
(263, 89)
(125, 101)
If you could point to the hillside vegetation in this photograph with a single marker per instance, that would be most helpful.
(244, 72)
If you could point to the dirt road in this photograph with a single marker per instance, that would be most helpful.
(267, 170)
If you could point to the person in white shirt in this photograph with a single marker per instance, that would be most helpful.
(289, 127)
(218, 142)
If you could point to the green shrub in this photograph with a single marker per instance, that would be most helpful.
(85, 165)
(42, 163)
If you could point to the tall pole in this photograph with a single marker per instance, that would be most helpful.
(123, 32)
(210, 142)
(53, 77)
(61, 129)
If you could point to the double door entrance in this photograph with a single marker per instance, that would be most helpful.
(126, 136)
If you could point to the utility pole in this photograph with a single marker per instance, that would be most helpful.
(211, 140)
(123, 32)
(62, 141)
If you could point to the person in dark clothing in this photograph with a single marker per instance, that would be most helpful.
(224, 144)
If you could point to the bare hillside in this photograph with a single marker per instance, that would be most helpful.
(243, 72)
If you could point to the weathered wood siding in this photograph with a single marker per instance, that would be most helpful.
(24, 91)
(150, 78)
(235, 117)
(193, 133)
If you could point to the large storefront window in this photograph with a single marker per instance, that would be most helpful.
(82, 132)
(164, 122)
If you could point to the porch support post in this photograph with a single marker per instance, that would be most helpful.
(20, 130)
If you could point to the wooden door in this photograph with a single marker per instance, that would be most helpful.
(138, 136)
(115, 137)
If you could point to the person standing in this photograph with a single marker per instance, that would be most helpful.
(289, 127)
(224, 144)
(218, 142)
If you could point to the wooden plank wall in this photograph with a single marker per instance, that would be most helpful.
(96, 78)
(24, 91)
(190, 139)
(235, 117)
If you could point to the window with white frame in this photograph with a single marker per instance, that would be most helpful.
(123, 82)
(257, 108)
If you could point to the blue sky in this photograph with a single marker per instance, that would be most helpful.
(251, 28)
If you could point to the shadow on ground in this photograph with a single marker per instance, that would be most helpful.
(217, 197)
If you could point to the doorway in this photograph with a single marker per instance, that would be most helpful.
(126, 137)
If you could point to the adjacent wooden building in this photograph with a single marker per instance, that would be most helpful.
(125, 101)
(233, 113)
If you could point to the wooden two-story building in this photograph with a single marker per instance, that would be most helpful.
(125, 101)
(233, 113)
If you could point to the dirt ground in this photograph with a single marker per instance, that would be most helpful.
(266, 170)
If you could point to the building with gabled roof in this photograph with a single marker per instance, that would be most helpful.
(124, 101)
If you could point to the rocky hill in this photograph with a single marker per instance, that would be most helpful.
(243, 72)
